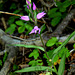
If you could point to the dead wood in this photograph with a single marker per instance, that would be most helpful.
(9, 61)
(12, 52)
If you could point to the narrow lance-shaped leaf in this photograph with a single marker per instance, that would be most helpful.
(35, 68)
(62, 45)
(29, 46)
(62, 65)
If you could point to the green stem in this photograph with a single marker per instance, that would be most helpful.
(43, 46)
(46, 53)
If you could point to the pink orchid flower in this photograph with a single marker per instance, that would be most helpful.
(26, 18)
(35, 30)
(40, 15)
(34, 6)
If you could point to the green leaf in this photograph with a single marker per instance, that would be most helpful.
(62, 65)
(74, 38)
(35, 68)
(28, 27)
(33, 63)
(11, 29)
(64, 50)
(20, 23)
(74, 45)
(35, 15)
(52, 11)
(43, 27)
(15, 67)
(51, 42)
(40, 63)
(29, 46)
(63, 9)
(73, 2)
(35, 54)
(55, 21)
(59, 4)
(55, 59)
(66, 3)
(21, 29)
(56, 14)
(62, 6)
(48, 73)
(5, 56)
(0, 62)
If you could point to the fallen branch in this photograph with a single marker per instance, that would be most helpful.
(65, 22)
(9, 61)
(5, 40)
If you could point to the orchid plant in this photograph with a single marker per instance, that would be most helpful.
(50, 56)
(34, 20)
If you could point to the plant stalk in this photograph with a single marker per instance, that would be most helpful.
(46, 53)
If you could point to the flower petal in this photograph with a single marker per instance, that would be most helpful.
(27, 6)
(39, 31)
(36, 27)
(34, 6)
(40, 15)
(26, 18)
(35, 30)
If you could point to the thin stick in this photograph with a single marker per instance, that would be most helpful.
(10, 13)
(4, 24)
